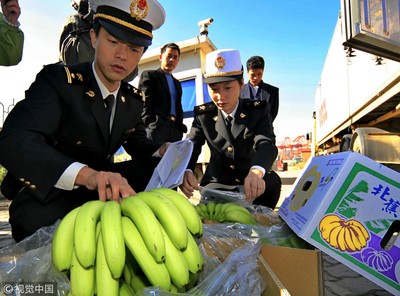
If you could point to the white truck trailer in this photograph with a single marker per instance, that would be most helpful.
(358, 96)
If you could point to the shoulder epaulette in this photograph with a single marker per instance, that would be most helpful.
(254, 104)
(204, 108)
(135, 92)
(75, 77)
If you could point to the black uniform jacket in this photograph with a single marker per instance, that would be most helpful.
(157, 107)
(253, 141)
(266, 92)
(62, 120)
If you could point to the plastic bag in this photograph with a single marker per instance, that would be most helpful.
(219, 193)
(26, 267)
(230, 264)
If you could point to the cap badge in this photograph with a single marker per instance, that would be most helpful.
(220, 62)
(139, 9)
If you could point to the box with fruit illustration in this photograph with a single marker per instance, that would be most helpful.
(348, 206)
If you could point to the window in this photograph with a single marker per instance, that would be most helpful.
(189, 99)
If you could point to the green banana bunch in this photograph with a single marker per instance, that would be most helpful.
(113, 238)
(185, 207)
(156, 273)
(85, 232)
(225, 213)
(115, 241)
(63, 241)
(169, 217)
(146, 222)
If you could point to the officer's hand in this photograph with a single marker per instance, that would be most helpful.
(254, 185)
(163, 148)
(110, 186)
(11, 10)
(189, 184)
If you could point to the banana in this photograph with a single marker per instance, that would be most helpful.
(193, 256)
(169, 217)
(127, 273)
(125, 289)
(139, 282)
(113, 238)
(229, 206)
(63, 241)
(146, 222)
(218, 212)
(82, 280)
(360, 228)
(210, 210)
(341, 239)
(105, 283)
(156, 273)
(358, 238)
(350, 245)
(333, 236)
(201, 209)
(85, 232)
(187, 210)
(240, 217)
(175, 262)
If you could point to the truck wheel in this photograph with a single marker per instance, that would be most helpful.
(362, 144)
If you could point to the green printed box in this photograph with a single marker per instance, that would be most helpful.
(348, 206)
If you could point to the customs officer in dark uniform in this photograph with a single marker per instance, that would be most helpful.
(57, 143)
(238, 132)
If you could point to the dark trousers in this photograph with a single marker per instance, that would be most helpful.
(28, 213)
(273, 185)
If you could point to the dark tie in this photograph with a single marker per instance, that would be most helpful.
(229, 125)
(109, 102)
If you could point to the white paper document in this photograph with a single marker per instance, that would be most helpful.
(171, 168)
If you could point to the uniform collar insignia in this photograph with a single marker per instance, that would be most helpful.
(90, 93)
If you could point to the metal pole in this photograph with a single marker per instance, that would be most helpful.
(2, 113)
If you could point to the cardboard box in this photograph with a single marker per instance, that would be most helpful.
(290, 271)
(348, 206)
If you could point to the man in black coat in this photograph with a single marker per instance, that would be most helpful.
(57, 143)
(257, 89)
(238, 132)
(162, 112)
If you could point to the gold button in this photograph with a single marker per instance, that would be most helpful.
(33, 187)
(229, 149)
(232, 166)
(237, 180)
(22, 179)
(78, 142)
(27, 183)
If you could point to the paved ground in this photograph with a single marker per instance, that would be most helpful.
(288, 178)
(5, 230)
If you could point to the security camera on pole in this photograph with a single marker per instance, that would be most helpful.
(204, 25)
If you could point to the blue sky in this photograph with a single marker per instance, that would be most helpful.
(292, 36)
